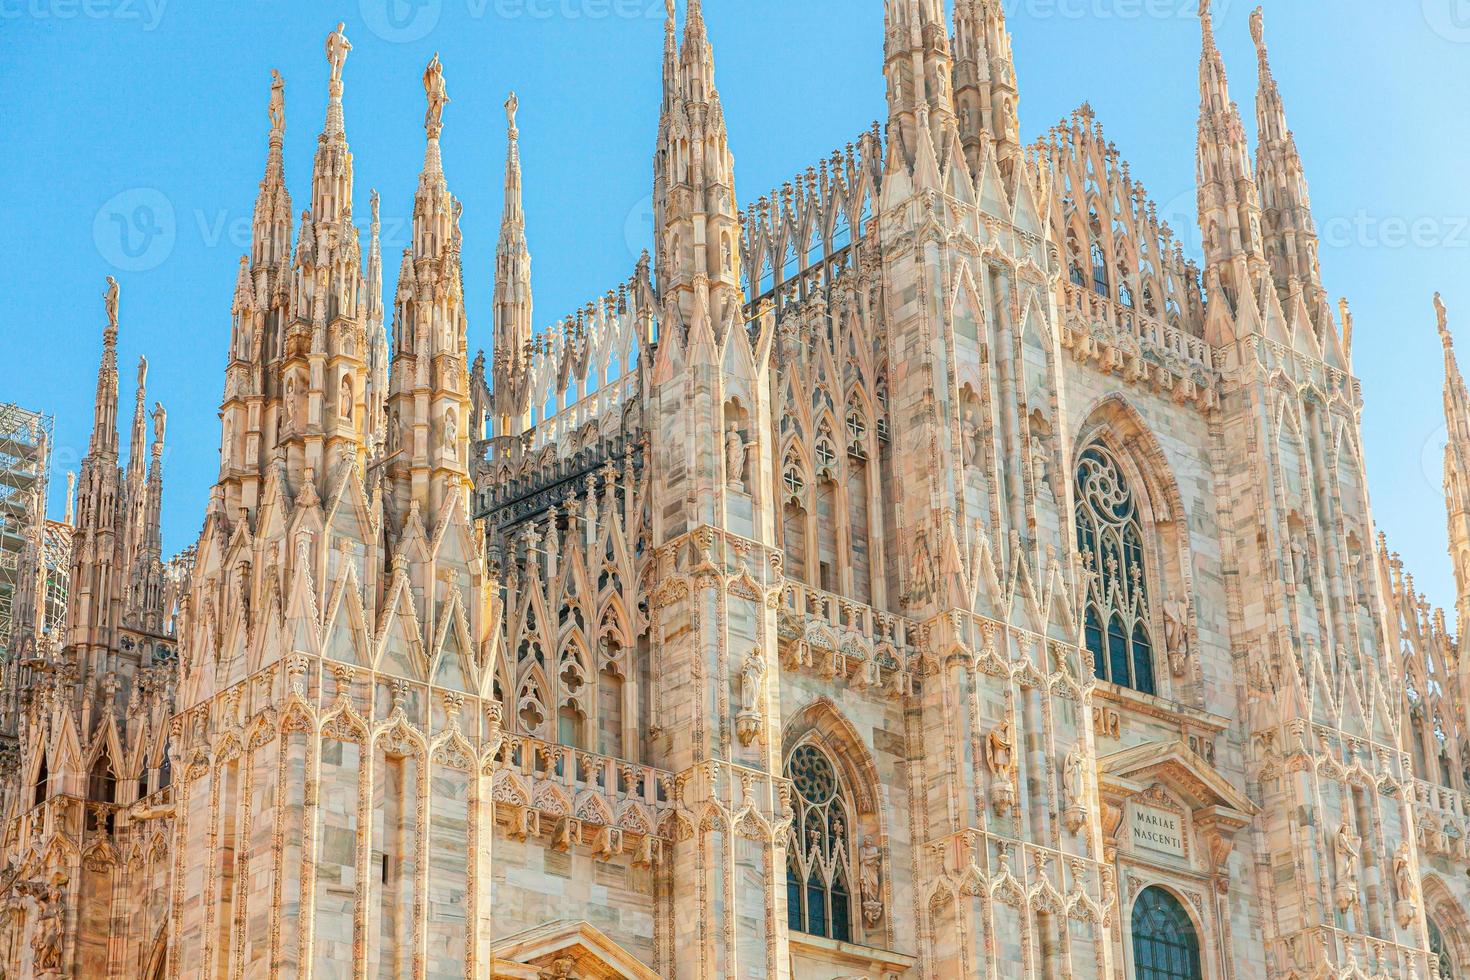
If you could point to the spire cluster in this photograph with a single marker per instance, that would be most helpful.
(116, 576)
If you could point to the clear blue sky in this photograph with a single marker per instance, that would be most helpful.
(112, 105)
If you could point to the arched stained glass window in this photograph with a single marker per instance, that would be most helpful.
(1110, 540)
(1441, 951)
(818, 862)
(1165, 945)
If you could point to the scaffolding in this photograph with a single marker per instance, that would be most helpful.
(25, 440)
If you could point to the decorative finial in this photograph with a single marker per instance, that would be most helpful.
(109, 298)
(337, 48)
(1443, 316)
(278, 104)
(438, 99)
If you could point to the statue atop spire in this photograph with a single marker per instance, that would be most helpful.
(438, 98)
(109, 299)
(1442, 315)
(337, 48)
(277, 108)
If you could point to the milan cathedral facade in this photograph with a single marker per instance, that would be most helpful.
(924, 570)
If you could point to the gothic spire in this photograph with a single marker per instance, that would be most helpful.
(1456, 463)
(1229, 205)
(104, 407)
(322, 378)
(671, 55)
(513, 298)
(698, 230)
(920, 73)
(433, 209)
(1290, 235)
(377, 333)
(137, 445)
(331, 179)
(271, 235)
(984, 81)
(1456, 400)
(429, 376)
(152, 542)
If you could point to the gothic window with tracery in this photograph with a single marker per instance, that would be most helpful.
(792, 480)
(826, 455)
(818, 875)
(1165, 944)
(857, 434)
(1099, 271)
(1441, 952)
(1110, 539)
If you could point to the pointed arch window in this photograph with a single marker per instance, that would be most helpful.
(1440, 951)
(43, 778)
(1110, 538)
(1165, 943)
(1099, 271)
(818, 857)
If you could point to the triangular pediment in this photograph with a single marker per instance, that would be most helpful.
(567, 948)
(1177, 766)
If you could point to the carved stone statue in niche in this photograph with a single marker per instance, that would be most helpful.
(968, 438)
(1299, 561)
(869, 880)
(344, 402)
(451, 433)
(1000, 756)
(752, 679)
(1074, 783)
(1040, 468)
(1347, 850)
(1176, 634)
(1404, 885)
(735, 453)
